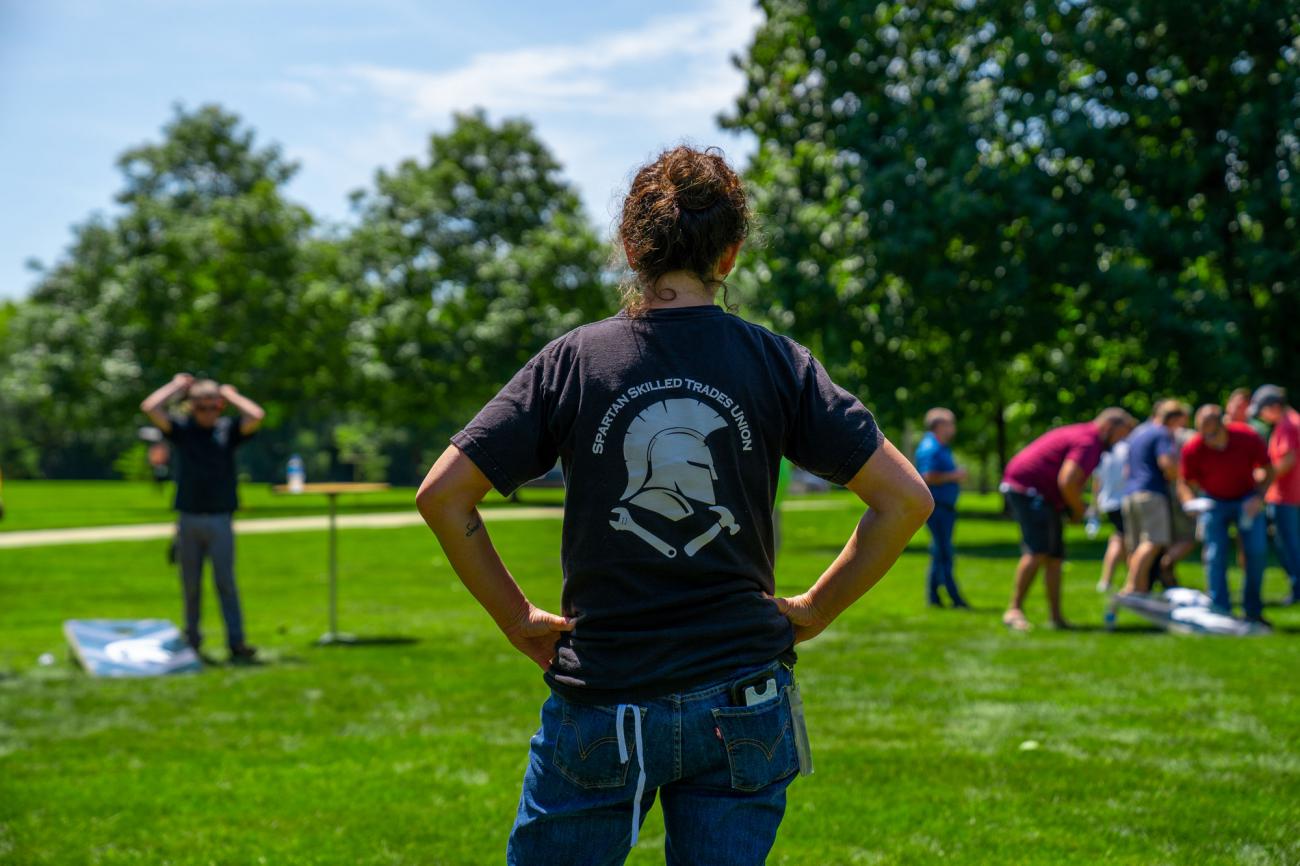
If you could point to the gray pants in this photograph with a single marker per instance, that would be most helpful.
(211, 536)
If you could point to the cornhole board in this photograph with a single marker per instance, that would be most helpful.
(130, 647)
(1183, 611)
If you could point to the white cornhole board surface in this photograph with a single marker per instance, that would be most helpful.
(1184, 611)
(130, 647)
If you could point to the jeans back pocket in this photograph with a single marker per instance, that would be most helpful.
(759, 741)
(586, 747)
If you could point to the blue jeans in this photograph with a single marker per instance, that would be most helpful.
(720, 769)
(1254, 544)
(1286, 535)
(942, 522)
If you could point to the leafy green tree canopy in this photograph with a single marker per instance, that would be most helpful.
(1028, 209)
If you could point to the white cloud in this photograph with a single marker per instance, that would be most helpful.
(603, 104)
(679, 62)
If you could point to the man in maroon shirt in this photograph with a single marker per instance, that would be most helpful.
(1043, 481)
(1228, 464)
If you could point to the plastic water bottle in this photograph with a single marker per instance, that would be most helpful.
(296, 474)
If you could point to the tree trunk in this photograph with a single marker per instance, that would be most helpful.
(1001, 421)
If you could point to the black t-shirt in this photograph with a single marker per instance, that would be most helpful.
(670, 429)
(205, 474)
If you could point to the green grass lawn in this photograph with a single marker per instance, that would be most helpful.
(59, 504)
(1151, 749)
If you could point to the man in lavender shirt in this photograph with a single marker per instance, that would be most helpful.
(1041, 483)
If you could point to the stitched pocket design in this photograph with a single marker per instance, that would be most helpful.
(759, 743)
(586, 747)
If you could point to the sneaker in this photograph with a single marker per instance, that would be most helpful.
(1060, 625)
(1260, 622)
(243, 654)
(960, 604)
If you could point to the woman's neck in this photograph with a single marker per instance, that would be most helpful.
(679, 289)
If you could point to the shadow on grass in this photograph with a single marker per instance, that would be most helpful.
(1078, 552)
(1126, 628)
(1090, 552)
(367, 640)
(970, 610)
(985, 516)
(1134, 628)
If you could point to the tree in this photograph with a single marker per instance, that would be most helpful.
(363, 344)
(1027, 209)
(207, 268)
(468, 263)
(19, 458)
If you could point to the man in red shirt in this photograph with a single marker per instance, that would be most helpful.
(1228, 464)
(1283, 497)
(1044, 481)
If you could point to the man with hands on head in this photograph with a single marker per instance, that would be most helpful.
(1043, 481)
(205, 441)
(1228, 464)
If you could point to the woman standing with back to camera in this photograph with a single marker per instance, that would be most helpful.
(671, 669)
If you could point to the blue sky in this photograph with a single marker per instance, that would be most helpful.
(346, 87)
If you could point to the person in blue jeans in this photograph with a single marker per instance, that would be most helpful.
(1283, 497)
(944, 477)
(671, 664)
(1228, 464)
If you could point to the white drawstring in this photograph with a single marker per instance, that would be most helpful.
(640, 760)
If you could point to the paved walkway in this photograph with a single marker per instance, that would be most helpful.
(265, 525)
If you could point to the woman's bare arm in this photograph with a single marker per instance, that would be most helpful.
(448, 501)
(898, 504)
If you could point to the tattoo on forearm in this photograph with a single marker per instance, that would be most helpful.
(473, 526)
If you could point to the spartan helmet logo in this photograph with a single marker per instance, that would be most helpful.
(669, 465)
(668, 461)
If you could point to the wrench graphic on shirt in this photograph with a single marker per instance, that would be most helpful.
(625, 523)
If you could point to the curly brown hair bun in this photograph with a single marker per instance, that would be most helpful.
(682, 213)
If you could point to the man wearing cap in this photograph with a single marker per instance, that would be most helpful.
(1228, 463)
(1153, 457)
(206, 497)
(944, 477)
(1044, 481)
(1283, 497)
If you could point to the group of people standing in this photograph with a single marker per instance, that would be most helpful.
(1164, 484)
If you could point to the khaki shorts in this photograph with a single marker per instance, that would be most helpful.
(1182, 525)
(1147, 519)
